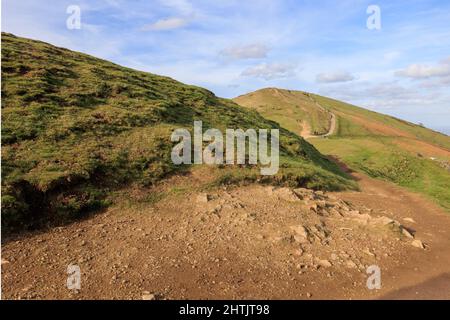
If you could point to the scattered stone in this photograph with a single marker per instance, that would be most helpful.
(350, 264)
(362, 218)
(367, 251)
(148, 296)
(298, 252)
(409, 220)
(384, 221)
(324, 263)
(301, 233)
(285, 194)
(407, 234)
(203, 198)
(309, 295)
(418, 244)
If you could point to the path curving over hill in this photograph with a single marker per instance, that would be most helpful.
(306, 129)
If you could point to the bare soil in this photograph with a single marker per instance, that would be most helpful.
(248, 242)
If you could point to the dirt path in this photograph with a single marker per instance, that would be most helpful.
(306, 128)
(241, 243)
(332, 126)
(425, 274)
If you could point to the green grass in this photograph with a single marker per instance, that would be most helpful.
(76, 128)
(379, 145)
(346, 110)
(378, 155)
(379, 158)
(287, 107)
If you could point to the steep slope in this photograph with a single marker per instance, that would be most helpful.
(76, 128)
(379, 145)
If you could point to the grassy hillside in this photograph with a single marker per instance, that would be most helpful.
(74, 128)
(379, 145)
(365, 122)
(294, 109)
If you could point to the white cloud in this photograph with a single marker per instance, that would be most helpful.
(338, 76)
(270, 71)
(183, 14)
(251, 51)
(419, 71)
(166, 24)
(389, 96)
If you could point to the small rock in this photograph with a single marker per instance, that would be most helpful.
(350, 264)
(367, 251)
(203, 198)
(362, 218)
(309, 295)
(384, 221)
(409, 220)
(407, 234)
(324, 263)
(418, 244)
(300, 231)
(148, 296)
(286, 194)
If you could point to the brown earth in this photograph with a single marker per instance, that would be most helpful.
(425, 274)
(248, 242)
(425, 149)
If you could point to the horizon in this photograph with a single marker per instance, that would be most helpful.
(402, 69)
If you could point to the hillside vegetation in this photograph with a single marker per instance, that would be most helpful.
(379, 145)
(75, 128)
(294, 109)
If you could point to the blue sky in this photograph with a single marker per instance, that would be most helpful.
(233, 47)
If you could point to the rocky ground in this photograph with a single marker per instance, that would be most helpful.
(250, 242)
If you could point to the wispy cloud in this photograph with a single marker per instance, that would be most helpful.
(166, 24)
(337, 76)
(270, 71)
(420, 71)
(250, 51)
(182, 13)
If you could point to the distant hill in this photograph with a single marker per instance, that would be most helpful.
(294, 109)
(76, 128)
(379, 145)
